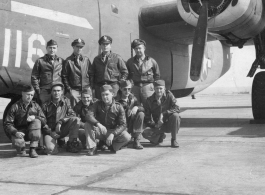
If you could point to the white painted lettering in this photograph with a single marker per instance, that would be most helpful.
(18, 48)
(33, 51)
(6, 47)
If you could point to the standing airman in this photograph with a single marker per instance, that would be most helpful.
(75, 75)
(46, 70)
(107, 68)
(143, 71)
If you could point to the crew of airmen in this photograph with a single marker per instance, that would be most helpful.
(103, 105)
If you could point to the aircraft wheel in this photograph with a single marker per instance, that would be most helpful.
(13, 100)
(258, 96)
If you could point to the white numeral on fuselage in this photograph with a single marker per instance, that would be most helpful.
(31, 50)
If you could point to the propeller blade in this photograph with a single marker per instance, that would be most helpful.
(199, 42)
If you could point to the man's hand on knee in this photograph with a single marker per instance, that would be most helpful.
(101, 127)
(110, 139)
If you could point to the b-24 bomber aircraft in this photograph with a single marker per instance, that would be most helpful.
(190, 39)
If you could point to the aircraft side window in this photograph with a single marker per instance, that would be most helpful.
(114, 9)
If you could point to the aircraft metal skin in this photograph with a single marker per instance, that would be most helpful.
(27, 25)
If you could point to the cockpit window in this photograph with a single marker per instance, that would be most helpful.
(114, 9)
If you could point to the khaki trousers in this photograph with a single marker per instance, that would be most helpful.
(95, 133)
(32, 134)
(71, 128)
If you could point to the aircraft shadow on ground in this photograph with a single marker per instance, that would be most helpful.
(245, 129)
(182, 109)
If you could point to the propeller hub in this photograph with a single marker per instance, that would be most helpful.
(215, 7)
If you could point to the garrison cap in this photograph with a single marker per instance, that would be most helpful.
(54, 84)
(106, 88)
(105, 39)
(87, 91)
(78, 42)
(137, 42)
(126, 83)
(159, 83)
(51, 42)
(27, 88)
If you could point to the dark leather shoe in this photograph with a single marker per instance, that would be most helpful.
(92, 151)
(61, 142)
(102, 145)
(112, 149)
(73, 146)
(137, 145)
(174, 143)
(33, 153)
(161, 138)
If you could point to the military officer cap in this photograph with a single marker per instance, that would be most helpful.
(78, 42)
(137, 42)
(27, 88)
(87, 91)
(125, 84)
(106, 88)
(54, 84)
(105, 39)
(51, 42)
(159, 83)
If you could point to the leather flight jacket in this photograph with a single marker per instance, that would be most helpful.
(57, 114)
(17, 115)
(81, 111)
(147, 72)
(45, 72)
(153, 108)
(128, 106)
(113, 117)
(110, 71)
(76, 75)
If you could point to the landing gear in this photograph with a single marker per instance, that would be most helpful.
(258, 96)
(13, 100)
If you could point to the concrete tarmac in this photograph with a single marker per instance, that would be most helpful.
(220, 153)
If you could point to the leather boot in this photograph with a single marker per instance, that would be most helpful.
(73, 146)
(112, 149)
(174, 143)
(92, 151)
(33, 153)
(137, 145)
(61, 142)
(161, 138)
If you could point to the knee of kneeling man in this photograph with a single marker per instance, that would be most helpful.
(127, 136)
(36, 137)
(35, 124)
(141, 114)
(176, 115)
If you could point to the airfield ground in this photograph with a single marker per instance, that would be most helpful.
(220, 153)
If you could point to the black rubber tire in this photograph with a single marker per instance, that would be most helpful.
(258, 96)
(13, 100)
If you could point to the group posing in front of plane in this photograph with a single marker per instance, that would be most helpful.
(103, 105)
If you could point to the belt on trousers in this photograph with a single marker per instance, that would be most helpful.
(107, 83)
(140, 84)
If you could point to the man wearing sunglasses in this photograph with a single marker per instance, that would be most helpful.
(134, 112)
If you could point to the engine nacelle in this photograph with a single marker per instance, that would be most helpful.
(235, 20)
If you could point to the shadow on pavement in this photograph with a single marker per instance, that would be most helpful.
(213, 122)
